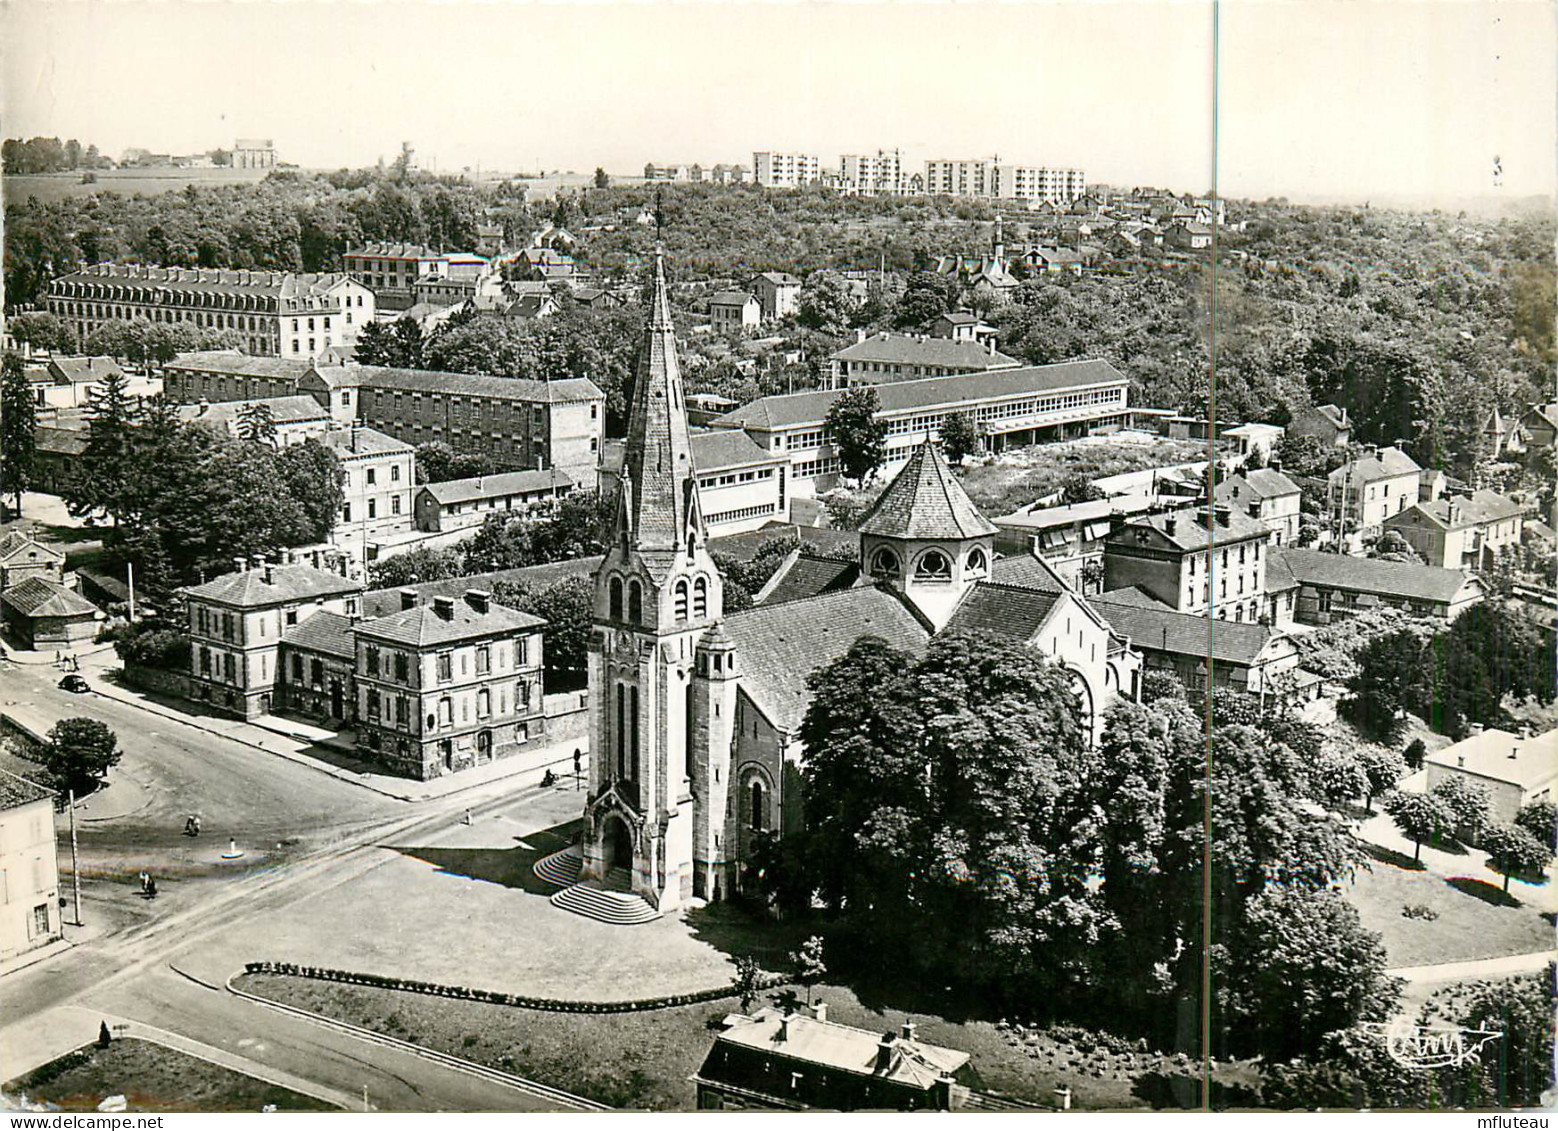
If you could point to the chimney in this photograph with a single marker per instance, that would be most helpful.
(478, 599)
(408, 599)
(1274, 463)
(241, 564)
(443, 608)
(1514, 751)
(908, 1030)
(1460, 760)
(270, 573)
(1224, 515)
(886, 1054)
(820, 1011)
(1170, 524)
(784, 1028)
(860, 335)
(1476, 728)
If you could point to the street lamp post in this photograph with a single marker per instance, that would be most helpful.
(75, 858)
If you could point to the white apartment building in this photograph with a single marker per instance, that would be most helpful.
(377, 488)
(878, 174)
(786, 170)
(990, 177)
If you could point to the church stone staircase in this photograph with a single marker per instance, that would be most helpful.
(609, 901)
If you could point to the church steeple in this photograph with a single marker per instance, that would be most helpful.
(659, 509)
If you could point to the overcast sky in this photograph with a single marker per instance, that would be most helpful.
(1317, 98)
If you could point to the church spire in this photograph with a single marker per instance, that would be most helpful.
(659, 508)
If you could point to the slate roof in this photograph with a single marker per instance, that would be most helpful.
(497, 486)
(1279, 576)
(719, 448)
(804, 575)
(840, 1047)
(77, 370)
(283, 410)
(14, 542)
(1008, 610)
(461, 384)
(1191, 532)
(234, 363)
(323, 632)
(423, 627)
(1372, 575)
(395, 251)
(289, 583)
(925, 501)
(381, 602)
(908, 349)
(1387, 463)
(16, 791)
(1154, 627)
(795, 409)
(731, 298)
(347, 442)
(38, 597)
(780, 645)
(1262, 483)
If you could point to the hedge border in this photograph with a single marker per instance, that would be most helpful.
(494, 997)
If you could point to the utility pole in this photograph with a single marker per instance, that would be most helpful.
(75, 858)
(129, 572)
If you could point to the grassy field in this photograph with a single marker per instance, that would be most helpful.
(1019, 477)
(151, 1078)
(50, 187)
(643, 1060)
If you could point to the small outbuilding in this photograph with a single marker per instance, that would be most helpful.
(44, 614)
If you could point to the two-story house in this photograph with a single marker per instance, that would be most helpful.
(447, 684)
(1268, 496)
(779, 294)
(378, 480)
(1206, 561)
(1463, 532)
(1366, 491)
(237, 621)
(29, 871)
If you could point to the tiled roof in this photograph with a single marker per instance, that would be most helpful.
(780, 645)
(381, 602)
(497, 486)
(323, 632)
(1387, 463)
(841, 1047)
(1279, 576)
(1154, 627)
(1009, 610)
(38, 597)
(288, 583)
(1262, 483)
(16, 791)
(780, 278)
(283, 410)
(925, 501)
(718, 448)
(14, 542)
(60, 441)
(81, 369)
(1024, 571)
(358, 441)
(462, 384)
(237, 364)
(806, 575)
(731, 298)
(1191, 529)
(908, 349)
(794, 409)
(423, 626)
(1372, 575)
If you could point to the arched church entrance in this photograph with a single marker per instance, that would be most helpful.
(617, 843)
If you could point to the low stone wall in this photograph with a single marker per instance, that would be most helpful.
(567, 716)
(157, 680)
(496, 997)
(21, 734)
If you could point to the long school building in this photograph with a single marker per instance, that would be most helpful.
(1010, 408)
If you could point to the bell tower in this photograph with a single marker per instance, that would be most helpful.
(656, 593)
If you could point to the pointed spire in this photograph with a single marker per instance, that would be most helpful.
(659, 508)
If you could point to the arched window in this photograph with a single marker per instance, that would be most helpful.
(616, 598)
(681, 601)
(622, 731)
(933, 566)
(978, 566)
(884, 563)
(759, 807)
(700, 598)
(635, 601)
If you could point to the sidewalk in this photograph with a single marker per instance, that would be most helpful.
(293, 739)
(1477, 968)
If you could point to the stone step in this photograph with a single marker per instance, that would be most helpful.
(560, 868)
(618, 908)
(618, 879)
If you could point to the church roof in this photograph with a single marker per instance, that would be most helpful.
(780, 645)
(925, 501)
(1026, 571)
(1005, 609)
(803, 575)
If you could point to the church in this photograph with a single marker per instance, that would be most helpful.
(694, 715)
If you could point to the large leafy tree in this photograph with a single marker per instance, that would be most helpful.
(1490, 652)
(1389, 667)
(1421, 818)
(18, 431)
(568, 607)
(859, 433)
(1513, 851)
(79, 753)
(314, 478)
(959, 437)
(106, 484)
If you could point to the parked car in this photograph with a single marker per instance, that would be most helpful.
(75, 683)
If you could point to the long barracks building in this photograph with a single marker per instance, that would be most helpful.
(276, 313)
(1010, 407)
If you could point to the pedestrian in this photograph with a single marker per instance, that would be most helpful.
(151, 889)
(145, 879)
(467, 816)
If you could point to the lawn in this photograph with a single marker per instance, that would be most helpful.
(1019, 477)
(643, 1060)
(151, 1077)
(1473, 918)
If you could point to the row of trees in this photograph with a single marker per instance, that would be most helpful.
(958, 820)
(139, 340)
(48, 155)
